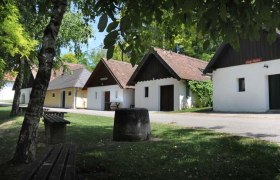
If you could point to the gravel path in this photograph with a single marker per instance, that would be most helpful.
(263, 126)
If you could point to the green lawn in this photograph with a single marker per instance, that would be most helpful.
(173, 153)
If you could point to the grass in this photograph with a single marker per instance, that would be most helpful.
(173, 153)
(203, 109)
(7, 101)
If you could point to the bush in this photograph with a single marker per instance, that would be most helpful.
(203, 90)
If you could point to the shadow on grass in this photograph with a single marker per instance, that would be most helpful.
(178, 154)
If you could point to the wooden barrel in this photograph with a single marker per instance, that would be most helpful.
(131, 125)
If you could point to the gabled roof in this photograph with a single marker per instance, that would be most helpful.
(121, 71)
(77, 78)
(218, 53)
(28, 79)
(180, 66)
(226, 46)
(69, 66)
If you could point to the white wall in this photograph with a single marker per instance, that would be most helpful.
(124, 96)
(26, 92)
(7, 93)
(226, 96)
(152, 102)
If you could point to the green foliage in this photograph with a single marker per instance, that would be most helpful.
(226, 21)
(14, 40)
(173, 153)
(2, 66)
(102, 22)
(69, 57)
(204, 91)
(73, 32)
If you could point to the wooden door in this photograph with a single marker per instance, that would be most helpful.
(167, 98)
(107, 101)
(63, 99)
(274, 91)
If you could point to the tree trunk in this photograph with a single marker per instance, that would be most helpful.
(18, 85)
(26, 146)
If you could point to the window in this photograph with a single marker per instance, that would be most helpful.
(146, 91)
(95, 95)
(53, 94)
(241, 84)
(116, 94)
(69, 93)
(187, 90)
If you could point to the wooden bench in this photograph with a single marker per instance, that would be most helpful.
(57, 163)
(60, 114)
(55, 128)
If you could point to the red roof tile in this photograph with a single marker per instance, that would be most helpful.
(185, 67)
(9, 77)
(122, 71)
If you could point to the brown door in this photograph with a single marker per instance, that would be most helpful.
(107, 101)
(63, 99)
(167, 98)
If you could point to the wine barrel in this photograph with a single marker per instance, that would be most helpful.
(131, 125)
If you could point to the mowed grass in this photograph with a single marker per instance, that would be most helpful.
(173, 152)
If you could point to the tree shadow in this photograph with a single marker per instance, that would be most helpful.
(179, 154)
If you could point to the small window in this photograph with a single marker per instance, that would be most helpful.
(241, 84)
(116, 94)
(69, 93)
(187, 90)
(146, 91)
(95, 95)
(53, 94)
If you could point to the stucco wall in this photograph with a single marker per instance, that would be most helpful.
(81, 98)
(7, 93)
(226, 96)
(25, 95)
(96, 96)
(51, 101)
(153, 101)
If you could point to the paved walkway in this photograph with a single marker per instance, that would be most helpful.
(263, 126)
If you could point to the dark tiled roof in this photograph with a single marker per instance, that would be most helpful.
(185, 67)
(76, 78)
(122, 71)
(181, 66)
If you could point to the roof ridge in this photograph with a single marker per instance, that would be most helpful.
(118, 61)
(182, 55)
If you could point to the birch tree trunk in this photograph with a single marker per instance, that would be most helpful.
(26, 146)
(18, 85)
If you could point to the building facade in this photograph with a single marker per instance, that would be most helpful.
(107, 86)
(248, 79)
(162, 80)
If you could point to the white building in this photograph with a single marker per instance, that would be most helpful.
(7, 92)
(161, 80)
(107, 86)
(248, 79)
